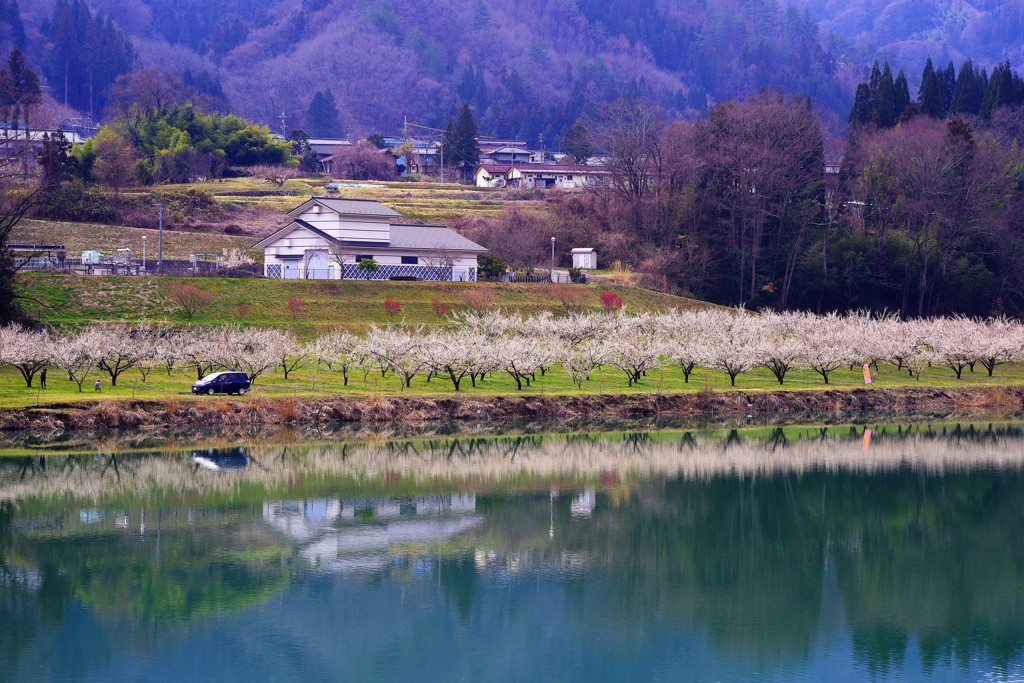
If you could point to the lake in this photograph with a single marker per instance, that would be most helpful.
(805, 553)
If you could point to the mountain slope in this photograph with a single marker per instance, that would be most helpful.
(529, 69)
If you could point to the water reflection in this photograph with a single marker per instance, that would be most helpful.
(791, 554)
(411, 463)
(361, 535)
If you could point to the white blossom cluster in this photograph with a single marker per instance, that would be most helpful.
(479, 344)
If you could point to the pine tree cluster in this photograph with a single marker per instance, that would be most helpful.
(883, 101)
(85, 54)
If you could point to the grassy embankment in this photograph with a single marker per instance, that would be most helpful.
(60, 300)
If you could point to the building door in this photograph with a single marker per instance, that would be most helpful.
(318, 265)
(291, 269)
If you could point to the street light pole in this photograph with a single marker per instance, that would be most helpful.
(552, 259)
(143, 253)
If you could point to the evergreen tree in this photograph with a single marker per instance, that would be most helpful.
(929, 95)
(886, 103)
(85, 54)
(902, 95)
(323, 120)
(24, 90)
(10, 14)
(577, 143)
(863, 107)
(968, 92)
(56, 159)
(308, 159)
(460, 141)
(948, 82)
(472, 88)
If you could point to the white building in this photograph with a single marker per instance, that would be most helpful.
(584, 258)
(542, 176)
(328, 238)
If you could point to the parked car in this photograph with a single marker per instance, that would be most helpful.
(222, 383)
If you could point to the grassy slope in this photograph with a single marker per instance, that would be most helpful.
(178, 245)
(69, 299)
(425, 201)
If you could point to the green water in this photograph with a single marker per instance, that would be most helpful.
(802, 554)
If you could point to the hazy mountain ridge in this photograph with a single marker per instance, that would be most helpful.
(531, 68)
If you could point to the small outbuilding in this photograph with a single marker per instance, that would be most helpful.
(584, 258)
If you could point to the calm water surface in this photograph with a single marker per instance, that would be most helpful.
(797, 554)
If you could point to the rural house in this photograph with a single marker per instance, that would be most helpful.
(328, 238)
(540, 176)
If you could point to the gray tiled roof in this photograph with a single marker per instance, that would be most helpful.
(350, 207)
(430, 237)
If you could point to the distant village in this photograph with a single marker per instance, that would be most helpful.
(503, 163)
(333, 238)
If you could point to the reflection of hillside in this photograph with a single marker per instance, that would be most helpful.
(343, 536)
(415, 467)
(181, 565)
(773, 565)
(764, 543)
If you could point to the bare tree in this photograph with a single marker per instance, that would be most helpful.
(627, 134)
(339, 253)
(190, 298)
(275, 175)
(442, 261)
(362, 161)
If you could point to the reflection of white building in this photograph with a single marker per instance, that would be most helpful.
(583, 504)
(346, 536)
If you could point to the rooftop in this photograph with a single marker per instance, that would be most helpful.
(430, 237)
(348, 207)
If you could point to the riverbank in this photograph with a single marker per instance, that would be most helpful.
(261, 411)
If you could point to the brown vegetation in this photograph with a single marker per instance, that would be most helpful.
(769, 407)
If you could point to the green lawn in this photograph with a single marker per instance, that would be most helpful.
(312, 382)
(59, 300)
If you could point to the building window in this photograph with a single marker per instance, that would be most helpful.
(363, 257)
(410, 260)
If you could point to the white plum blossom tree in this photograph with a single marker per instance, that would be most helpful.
(76, 354)
(731, 345)
(826, 342)
(25, 350)
(338, 351)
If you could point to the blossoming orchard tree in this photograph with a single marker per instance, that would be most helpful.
(478, 344)
(25, 350)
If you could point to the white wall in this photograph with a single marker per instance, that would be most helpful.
(355, 228)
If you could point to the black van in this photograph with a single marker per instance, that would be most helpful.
(222, 383)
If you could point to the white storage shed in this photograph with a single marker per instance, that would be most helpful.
(585, 258)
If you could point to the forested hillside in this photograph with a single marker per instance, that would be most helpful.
(528, 69)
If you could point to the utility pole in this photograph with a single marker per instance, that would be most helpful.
(437, 130)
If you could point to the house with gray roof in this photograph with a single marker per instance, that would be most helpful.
(328, 237)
